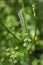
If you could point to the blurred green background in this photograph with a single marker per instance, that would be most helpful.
(21, 32)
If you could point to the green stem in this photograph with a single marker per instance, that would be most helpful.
(24, 15)
(23, 4)
(9, 31)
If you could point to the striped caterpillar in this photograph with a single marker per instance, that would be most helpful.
(22, 22)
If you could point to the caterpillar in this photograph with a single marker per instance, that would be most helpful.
(22, 22)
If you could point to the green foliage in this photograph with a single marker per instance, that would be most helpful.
(21, 32)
